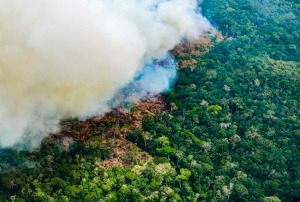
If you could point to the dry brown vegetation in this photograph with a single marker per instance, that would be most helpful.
(188, 48)
(122, 151)
(122, 154)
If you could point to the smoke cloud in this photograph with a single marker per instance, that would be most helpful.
(62, 58)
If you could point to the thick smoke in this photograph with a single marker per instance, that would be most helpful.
(61, 58)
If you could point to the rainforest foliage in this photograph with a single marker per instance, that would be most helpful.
(233, 133)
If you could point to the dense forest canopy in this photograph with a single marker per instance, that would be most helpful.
(233, 132)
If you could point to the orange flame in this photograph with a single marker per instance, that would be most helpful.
(157, 64)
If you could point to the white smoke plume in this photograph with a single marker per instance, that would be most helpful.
(62, 58)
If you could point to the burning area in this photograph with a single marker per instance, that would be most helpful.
(73, 58)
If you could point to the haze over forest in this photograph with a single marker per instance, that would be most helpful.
(149, 100)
